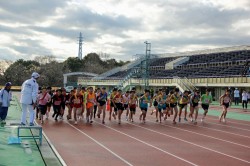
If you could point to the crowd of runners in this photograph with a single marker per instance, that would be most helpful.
(89, 103)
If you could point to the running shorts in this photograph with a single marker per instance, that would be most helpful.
(182, 105)
(226, 105)
(43, 109)
(132, 109)
(125, 106)
(102, 103)
(195, 105)
(155, 103)
(119, 106)
(205, 106)
(144, 109)
(172, 105)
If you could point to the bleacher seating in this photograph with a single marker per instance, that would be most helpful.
(187, 70)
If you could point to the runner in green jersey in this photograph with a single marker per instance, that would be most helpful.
(206, 99)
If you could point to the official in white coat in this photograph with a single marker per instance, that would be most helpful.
(29, 93)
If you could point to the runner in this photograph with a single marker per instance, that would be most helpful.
(194, 106)
(114, 92)
(183, 104)
(144, 101)
(76, 101)
(174, 97)
(69, 104)
(37, 109)
(206, 99)
(63, 102)
(49, 104)
(133, 102)
(165, 105)
(43, 99)
(102, 100)
(57, 103)
(160, 107)
(125, 102)
(157, 101)
(97, 91)
(84, 93)
(91, 99)
(225, 102)
(118, 104)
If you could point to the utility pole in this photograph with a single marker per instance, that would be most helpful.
(80, 41)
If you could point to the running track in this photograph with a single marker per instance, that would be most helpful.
(208, 143)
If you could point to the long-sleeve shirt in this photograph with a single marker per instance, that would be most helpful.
(5, 97)
(29, 91)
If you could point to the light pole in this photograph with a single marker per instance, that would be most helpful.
(145, 65)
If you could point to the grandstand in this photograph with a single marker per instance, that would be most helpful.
(223, 67)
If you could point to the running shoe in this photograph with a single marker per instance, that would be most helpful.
(157, 120)
(22, 124)
(174, 122)
(3, 122)
(185, 119)
(119, 122)
(224, 120)
(103, 122)
(202, 119)
(31, 124)
(75, 122)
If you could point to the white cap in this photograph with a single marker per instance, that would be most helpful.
(35, 75)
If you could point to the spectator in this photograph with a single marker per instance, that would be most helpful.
(236, 96)
(248, 97)
(5, 98)
(244, 99)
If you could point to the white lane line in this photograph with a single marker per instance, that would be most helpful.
(122, 159)
(54, 149)
(227, 126)
(191, 143)
(218, 130)
(148, 144)
(202, 135)
(228, 121)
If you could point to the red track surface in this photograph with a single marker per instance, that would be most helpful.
(208, 143)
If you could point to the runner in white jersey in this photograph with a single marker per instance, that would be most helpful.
(225, 102)
(125, 102)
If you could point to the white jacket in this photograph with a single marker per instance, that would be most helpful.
(29, 91)
(5, 97)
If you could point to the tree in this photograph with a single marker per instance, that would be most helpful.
(20, 70)
(45, 59)
(74, 64)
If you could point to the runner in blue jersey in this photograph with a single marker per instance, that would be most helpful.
(144, 101)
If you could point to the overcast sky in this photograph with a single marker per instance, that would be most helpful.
(119, 27)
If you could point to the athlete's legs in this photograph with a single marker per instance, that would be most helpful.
(175, 114)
